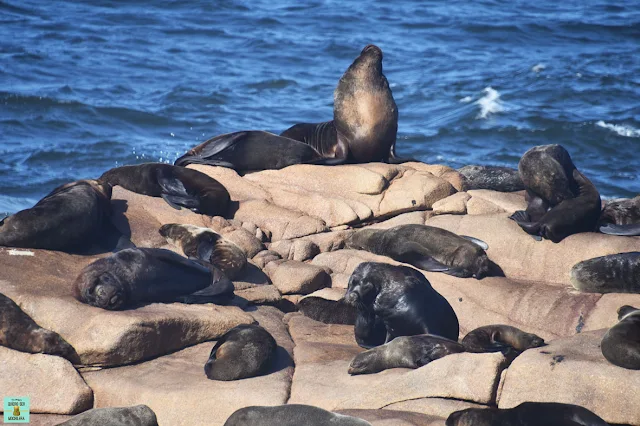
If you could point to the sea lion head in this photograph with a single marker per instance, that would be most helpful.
(174, 232)
(472, 417)
(481, 267)
(361, 240)
(98, 287)
(626, 311)
(365, 362)
(361, 290)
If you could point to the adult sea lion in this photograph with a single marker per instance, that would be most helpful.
(244, 351)
(204, 244)
(615, 273)
(503, 179)
(527, 414)
(498, 337)
(253, 150)
(291, 415)
(365, 116)
(621, 344)
(327, 311)
(621, 217)
(20, 332)
(178, 186)
(138, 415)
(147, 275)
(428, 248)
(404, 352)
(403, 299)
(72, 218)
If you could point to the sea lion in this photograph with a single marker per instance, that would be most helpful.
(498, 337)
(291, 415)
(403, 299)
(428, 248)
(72, 218)
(178, 186)
(138, 415)
(527, 414)
(20, 332)
(503, 179)
(204, 244)
(621, 344)
(621, 217)
(615, 273)
(253, 150)
(327, 311)
(365, 116)
(404, 352)
(369, 329)
(244, 351)
(147, 275)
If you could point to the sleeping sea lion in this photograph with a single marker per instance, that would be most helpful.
(498, 337)
(503, 179)
(614, 273)
(621, 217)
(621, 344)
(291, 415)
(138, 415)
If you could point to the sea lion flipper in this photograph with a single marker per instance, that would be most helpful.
(178, 201)
(520, 216)
(427, 263)
(622, 230)
(171, 203)
(476, 241)
(458, 272)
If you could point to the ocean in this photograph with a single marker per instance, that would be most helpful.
(90, 85)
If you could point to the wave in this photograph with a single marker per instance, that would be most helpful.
(490, 103)
(626, 131)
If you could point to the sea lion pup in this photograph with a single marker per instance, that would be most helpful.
(615, 273)
(365, 116)
(244, 351)
(621, 344)
(20, 332)
(291, 415)
(503, 179)
(253, 150)
(327, 311)
(71, 218)
(138, 415)
(426, 247)
(178, 186)
(404, 352)
(621, 217)
(500, 338)
(527, 414)
(204, 244)
(403, 299)
(147, 275)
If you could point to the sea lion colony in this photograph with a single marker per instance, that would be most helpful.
(396, 313)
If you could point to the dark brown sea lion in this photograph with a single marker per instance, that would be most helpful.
(291, 415)
(365, 116)
(139, 415)
(72, 218)
(498, 337)
(404, 352)
(18, 331)
(206, 245)
(428, 248)
(621, 217)
(615, 273)
(327, 311)
(527, 414)
(244, 351)
(503, 179)
(253, 150)
(147, 275)
(403, 299)
(178, 186)
(621, 344)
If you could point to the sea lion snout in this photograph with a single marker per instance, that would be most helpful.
(371, 49)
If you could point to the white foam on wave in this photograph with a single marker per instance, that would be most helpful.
(466, 99)
(490, 103)
(626, 131)
(538, 67)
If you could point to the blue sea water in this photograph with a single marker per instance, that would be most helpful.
(89, 85)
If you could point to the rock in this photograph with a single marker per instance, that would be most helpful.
(140, 415)
(51, 382)
(506, 201)
(345, 261)
(264, 294)
(41, 286)
(246, 240)
(340, 281)
(328, 293)
(605, 312)
(573, 371)
(264, 257)
(439, 407)
(47, 419)
(453, 204)
(478, 206)
(394, 418)
(293, 277)
(239, 188)
(329, 241)
(411, 218)
(455, 178)
(295, 249)
(250, 276)
(177, 390)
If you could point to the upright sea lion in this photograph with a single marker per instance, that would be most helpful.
(204, 244)
(503, 179)
(365, 116)
(253, 150)
(404, 352)
(244, 351)
(426, 247)
(621, 217)
(403, 299)
(178, 186)
(621, 344)
(527, 414)
(72, 218)
(138, 415)
(327, 311)
(498, 337)
(147, 275)
(615, 273)
(18, 331)
(291, 415)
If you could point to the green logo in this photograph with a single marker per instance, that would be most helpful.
(16, 409)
